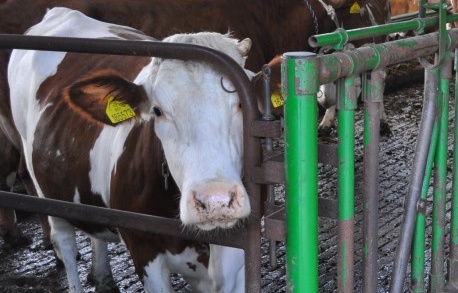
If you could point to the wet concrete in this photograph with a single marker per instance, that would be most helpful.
(32, 269)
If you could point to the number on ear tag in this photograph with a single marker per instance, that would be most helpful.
(277, 99)
(118, 111)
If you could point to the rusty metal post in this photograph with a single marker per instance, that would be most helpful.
(415, 184)
(268, 144)
(418, 245)
(372, 102)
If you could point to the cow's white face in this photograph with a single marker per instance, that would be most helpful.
(199, 123)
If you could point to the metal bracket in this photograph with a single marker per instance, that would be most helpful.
(443, 36)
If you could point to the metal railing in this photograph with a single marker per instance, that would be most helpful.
(302, 74)
(248, 238)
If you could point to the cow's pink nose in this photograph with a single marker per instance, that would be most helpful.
(215, 203)
(210, 201)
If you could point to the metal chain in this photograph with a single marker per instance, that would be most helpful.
(312, 12)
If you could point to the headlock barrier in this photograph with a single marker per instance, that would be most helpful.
(302, 74)
(248, 238)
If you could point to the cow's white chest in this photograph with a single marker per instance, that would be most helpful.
(157, 272)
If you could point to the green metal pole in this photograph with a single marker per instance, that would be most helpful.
(418, 246)
(440, 181)
(301, 151)
(346, 175)
(453, 279)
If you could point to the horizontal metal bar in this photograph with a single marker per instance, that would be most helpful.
(116, 218)
(137, 48)
(370, 57)
(374, 31)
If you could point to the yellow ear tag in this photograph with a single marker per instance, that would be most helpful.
(355, 8)
(118, 111)
(277, 99)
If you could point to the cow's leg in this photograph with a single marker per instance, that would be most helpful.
(101, 274)
(327, 123)
(64, 242)
(327, 97)
(227, 269)
(9, 230)
(30, 188)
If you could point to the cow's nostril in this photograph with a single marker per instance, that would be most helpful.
(232, 195)
(199, 204)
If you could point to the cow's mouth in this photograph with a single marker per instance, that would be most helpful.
(223, 224)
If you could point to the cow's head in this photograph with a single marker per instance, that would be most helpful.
(197, 117)
(199, 122)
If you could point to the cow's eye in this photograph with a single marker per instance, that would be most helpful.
(157, 111)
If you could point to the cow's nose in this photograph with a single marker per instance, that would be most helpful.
(211, 200)
(215, 203)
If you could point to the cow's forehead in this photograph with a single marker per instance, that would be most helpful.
(175, 86)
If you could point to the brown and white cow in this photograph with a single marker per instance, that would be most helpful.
(94, 130)
(274, 26)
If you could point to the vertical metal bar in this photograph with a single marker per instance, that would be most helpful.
(418, 250)
(372, 101)
(346, 190)
(300, 70)
(440, 181)
(452, 285)
(415, 185)
(268, 144)
(421, 14)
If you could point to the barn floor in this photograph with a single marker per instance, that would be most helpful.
(32, 269)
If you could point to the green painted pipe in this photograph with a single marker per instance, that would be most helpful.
(340, 37)
(301, 151)
(345, 180)
(440, 182)
(454, 212)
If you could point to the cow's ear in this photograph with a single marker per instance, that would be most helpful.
(244, 46)
(109, 99)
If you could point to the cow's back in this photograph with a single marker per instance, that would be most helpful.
(52, 127)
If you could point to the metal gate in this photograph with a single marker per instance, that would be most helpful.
(247, 238)
(302, 74)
